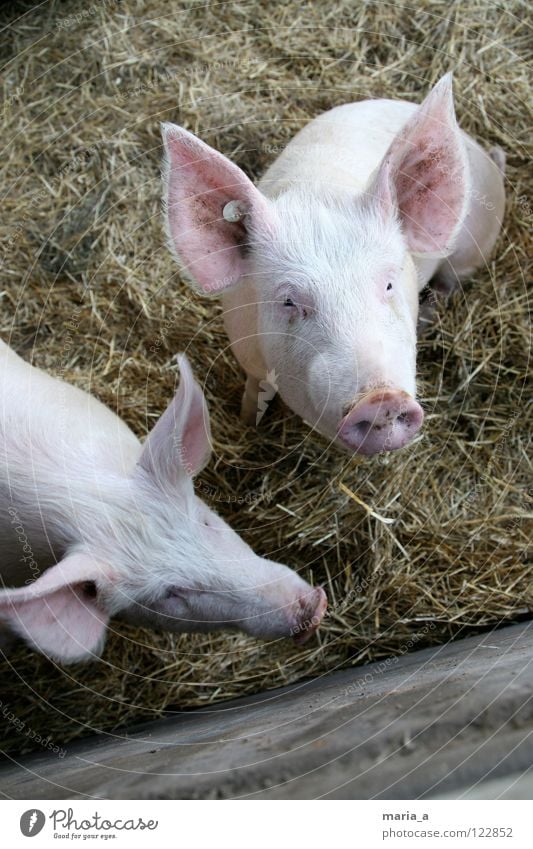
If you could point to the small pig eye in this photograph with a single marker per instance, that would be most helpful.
(296, 310)
(389, 287)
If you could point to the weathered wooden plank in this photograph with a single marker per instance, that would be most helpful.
(417, 726)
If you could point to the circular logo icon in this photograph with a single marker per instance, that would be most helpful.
(32, 822)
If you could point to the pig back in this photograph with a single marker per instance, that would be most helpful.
(56, 443)
(340, 149)
(44, 411)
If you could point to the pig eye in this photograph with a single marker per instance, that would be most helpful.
(295, 309)
(389, 287)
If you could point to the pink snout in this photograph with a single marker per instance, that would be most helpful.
(307, 614)
(384, 420)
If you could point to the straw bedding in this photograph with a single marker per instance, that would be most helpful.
(414, 548)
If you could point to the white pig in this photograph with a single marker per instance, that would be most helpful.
(321, 265)
(93, 524)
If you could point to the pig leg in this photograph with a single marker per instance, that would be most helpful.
(444, 281)
(427, 311)
(439, 288)
(249, 406)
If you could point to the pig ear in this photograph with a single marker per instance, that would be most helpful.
(427, 172)
(58, 614)
(181, 439)
(198, 185)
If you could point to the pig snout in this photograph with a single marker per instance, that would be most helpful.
(307, 614)
(384, 420)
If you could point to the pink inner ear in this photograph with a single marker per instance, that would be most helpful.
(429, 170)
(65, 625)
(56, 614)
(181, 439)
(199, 183)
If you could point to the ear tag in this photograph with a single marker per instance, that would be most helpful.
(234, 211)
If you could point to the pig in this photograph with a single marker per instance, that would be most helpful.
(320, 266)
(93, 524)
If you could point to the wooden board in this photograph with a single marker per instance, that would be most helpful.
(424, 725)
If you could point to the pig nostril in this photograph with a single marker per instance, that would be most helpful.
(363, 428)
(407, 419)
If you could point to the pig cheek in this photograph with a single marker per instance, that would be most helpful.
(270, 332)
(291, 355)
(277, 322)
(325, 377)
(403, 324)
(275, 343)
(167, 612)
(409, 289)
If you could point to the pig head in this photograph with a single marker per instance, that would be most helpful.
(144, 547)
(320, 271)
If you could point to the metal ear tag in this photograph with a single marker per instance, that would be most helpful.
(234, 211)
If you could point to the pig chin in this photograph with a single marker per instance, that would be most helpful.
(298, 619)
(171, 613)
